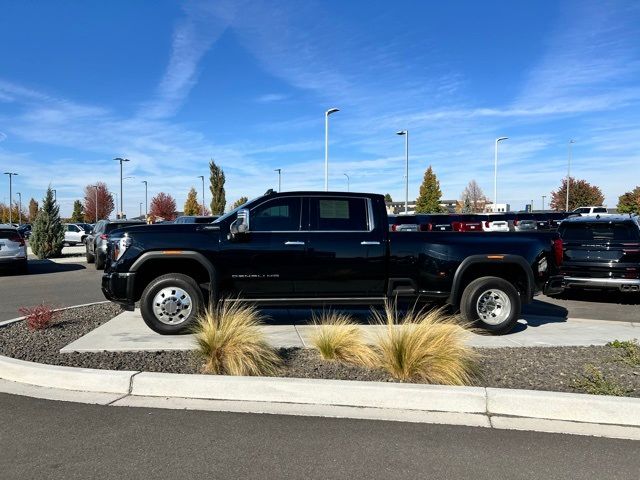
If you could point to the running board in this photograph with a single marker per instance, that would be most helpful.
(308, 301)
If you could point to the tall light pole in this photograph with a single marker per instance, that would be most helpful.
(347, 181)
(543, 197)
(279, 170)
(118, 159)
(146, 204)
(202, 178)
(405, 133)
(11, 174)
(495, 173)
(140, 209)
(19, 208)
(571, 142)
(96, 187)
(326, 146)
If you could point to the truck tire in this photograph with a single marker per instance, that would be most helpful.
(492, 304)
(170, 304)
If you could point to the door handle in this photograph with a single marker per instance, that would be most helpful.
(294, 243)
(369, 243)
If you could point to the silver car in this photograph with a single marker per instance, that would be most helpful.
(13, 250)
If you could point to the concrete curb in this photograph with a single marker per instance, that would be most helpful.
(18, 319)
(475, 406)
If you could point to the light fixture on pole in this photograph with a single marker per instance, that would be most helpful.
(19, 208)
(543, 197)
(146, 203)
(201, 177)
(495, 173)
(279, 170)
(348, 189)
(96, 187)
(326, 146)
(118, 159)
(571, 142)
(11, 174)
(405, 133)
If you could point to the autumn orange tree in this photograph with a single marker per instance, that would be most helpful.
(581, 194)
(106, 204)
(163, 206)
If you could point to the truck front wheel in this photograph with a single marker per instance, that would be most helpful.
(171, 303)
(491, 303)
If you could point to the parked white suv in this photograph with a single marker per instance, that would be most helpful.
(74, 234)
(591, 211)
(13, 251)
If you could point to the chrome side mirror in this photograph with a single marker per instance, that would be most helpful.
(240, 225)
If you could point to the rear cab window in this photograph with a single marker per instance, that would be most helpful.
(340, 214)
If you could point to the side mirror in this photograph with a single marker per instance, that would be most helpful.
(240, 225)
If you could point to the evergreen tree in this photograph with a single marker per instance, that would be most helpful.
(78, 214)
(191, 206)
(47, 236)
(387, 198)
(240, 201)
(429, 199)
(629, 202)
(33, 210)
(216, 180)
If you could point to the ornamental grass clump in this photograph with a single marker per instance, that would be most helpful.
(424, 346)
(230, 341)
(338, 338)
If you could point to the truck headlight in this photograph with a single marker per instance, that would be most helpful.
(119, 246)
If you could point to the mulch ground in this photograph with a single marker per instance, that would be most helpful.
(537, 368)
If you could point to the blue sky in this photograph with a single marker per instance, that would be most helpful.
(172, 84)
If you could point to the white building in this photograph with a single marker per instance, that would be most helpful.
(499, 208)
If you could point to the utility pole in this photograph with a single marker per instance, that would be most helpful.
(11, 174)
(19, 208)
(405, 133)
(571, 142)
(96, 187)
(326, 146)
(202, 177)
(348, 188)
(543, 197)
(495, 173)
(118, 159)
(146, 203)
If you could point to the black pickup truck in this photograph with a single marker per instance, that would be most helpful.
(319, 248)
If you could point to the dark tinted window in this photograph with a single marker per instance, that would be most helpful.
(584, 232)
(110, 227)
(339, 214)
(278, 215)
(9, 235)
(599, 210)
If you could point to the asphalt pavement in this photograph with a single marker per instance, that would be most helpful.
(46, 439)
(69, 284)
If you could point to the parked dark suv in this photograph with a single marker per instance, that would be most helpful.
(602, 252)
(96, 242)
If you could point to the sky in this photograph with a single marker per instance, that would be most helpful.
(171, 85)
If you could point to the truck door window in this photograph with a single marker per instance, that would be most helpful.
(340, 214)
(278, 215)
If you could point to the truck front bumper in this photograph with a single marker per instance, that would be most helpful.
(119, 288)
(554, 285)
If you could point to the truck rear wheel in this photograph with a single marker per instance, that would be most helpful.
(492, 304)
(170, 304)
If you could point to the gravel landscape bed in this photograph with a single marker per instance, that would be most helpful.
(536, 368)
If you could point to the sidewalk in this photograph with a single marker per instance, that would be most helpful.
(74, 254)
(128, 332)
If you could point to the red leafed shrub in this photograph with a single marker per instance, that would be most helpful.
(38, 317)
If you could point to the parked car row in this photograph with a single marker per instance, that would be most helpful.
(485, 222)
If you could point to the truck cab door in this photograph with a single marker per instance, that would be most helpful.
(263, 263)
(346, 250)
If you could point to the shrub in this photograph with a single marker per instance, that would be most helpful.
(338, 338)
(38, 317)
(629, 349)
(594, 382)
(425, 346)
(230, 341)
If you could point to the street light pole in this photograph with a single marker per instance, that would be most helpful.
(11, 174)
(348, 189)
(96, 187)
(495, 173)
(19, 208)
(279, 170)
(140, 209)
(326, 146)
(146, 204)
(118, 159)
(405, 133)
(543, 197)
(571, 142)
(202, 178)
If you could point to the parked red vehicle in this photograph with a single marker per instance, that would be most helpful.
(466, 223)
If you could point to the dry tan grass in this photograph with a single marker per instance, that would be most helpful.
(338, 338)
(230, 341)
(424, 346)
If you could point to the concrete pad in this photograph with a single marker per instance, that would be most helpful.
(573, 407)
(66, 378)
(331, 411)
(312, 391)
(127, 332)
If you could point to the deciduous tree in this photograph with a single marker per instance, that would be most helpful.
(106, 205)
(216, 185)
(473, 198)
(33, 210)
(47, 236)
(191, 206)
(629, 202)
(429, 199)
(581, 194)
(240, 201)
(163, 206)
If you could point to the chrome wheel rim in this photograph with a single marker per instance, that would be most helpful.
(172, 305)
(493, 307)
